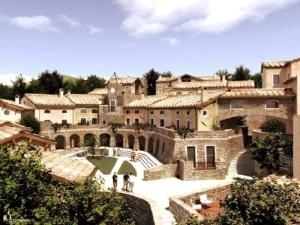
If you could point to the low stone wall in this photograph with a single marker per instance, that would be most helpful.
(159, 172)
(186, 171)
(144, 212)
(180, 206)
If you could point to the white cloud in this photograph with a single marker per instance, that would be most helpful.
(145, 17)
(94, 30)
(40, 23)
(171, 41)
(70, 21)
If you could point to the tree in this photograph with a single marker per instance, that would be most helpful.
(257, 80)
(93, 82)
(32, 122)
(6, 92)
(34, 87)
(258, 202)
(91, 143)
(241, 73)
(273, 126)
(151, 77)
(223, 73)
(28, 193)
(266, 151)
(50, 82)
(80, 86)
(19, 86)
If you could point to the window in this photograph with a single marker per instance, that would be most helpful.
(6, 112)
(204, 113)
(104, 122)
(236, 105)
(127, 121)
(113, 104)
(162, 122)
(151, 112)
(94, 120)
(188, 124)
(186, 78)
(177, 124)
(188, 112)
(64, 111)
(271, 104)
(94, 111)
(83, 120)
(177, 113)
(64, 122)
(136, 111)
(275, 79)
(137, 120)
(127, 112)
(47, 111)
(152, 121)
(162, 112)
(83, 110)
(210, 157)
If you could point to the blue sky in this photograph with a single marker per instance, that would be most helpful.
(83, 37)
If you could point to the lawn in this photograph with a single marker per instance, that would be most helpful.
(104, 164)
(127, 167)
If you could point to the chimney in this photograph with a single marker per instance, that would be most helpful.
(17, 99)
(61, 93)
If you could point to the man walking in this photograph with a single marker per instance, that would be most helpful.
(125, 182)
(115, 180)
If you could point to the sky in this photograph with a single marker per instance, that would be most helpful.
(199, 37)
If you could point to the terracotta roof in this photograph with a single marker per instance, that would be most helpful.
(277, 64)
(85, 99)
(164, 79)
(175, 101)
(215, 83)
(49, 100)
(15, 105)
(99, 91)
(274, 92)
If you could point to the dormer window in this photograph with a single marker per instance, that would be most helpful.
(186, 78)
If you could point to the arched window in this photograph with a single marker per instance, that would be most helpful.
(271, 104)
(94, 111)
(127, 112)
(83, 111)
(177, 113)
(47, 111)
(188, 112)
(6, 112)
(236, 104)
(162, 112)
(136, 112)
(64, 111)
(186, 78)
(151, 112)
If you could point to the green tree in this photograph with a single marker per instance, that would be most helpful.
(273, 126)
(91, 143)
(28, 192)
(266, 151)
(224, 73)
(93, 82)
(241, 73)
(32, 122)
(34, 87)
(6, 92)
(257, 80)
(19, 86)
(50, 82)
(151, 76)
(80, 87)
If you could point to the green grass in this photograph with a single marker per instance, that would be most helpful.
(127, 167)
(104, 164)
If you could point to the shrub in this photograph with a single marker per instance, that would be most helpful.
(273, 126)
(32, 122)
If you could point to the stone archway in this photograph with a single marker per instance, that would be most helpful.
(150, 145)
(156, 148)
(86, 138)
(74, 141)
(60, 142)
(130, 141)
(142, 142)
(119, 140)
(104, 140)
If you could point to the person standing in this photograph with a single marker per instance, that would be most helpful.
(131, 183)
(115, 180)
(126, 181)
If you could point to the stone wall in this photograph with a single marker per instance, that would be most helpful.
(180, 206)
(144, 212)
(159, 172)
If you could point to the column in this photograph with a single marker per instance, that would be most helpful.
(136, 143)
(146, 144)
(125, 141)
(112, 142)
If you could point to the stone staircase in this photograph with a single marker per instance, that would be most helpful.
(146, 159)
(233, 168)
